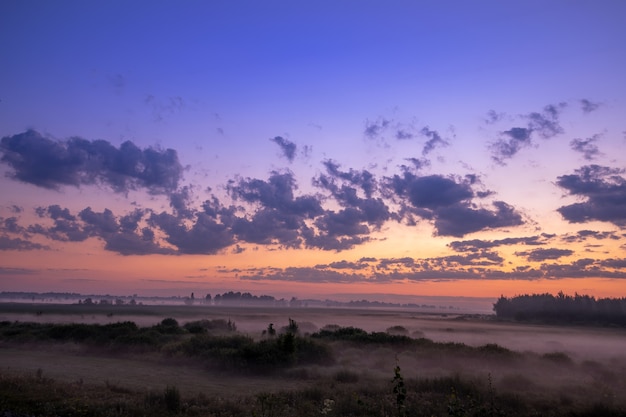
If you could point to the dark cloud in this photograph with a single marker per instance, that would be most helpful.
(416, 164)
(129, 243)
(544, 124)
(459, 220)
(179, 201)
(478, 258)
(364, 179)
(614, 263)
(287, 147)
(479, 264)
(120, 234)
(303, 275)
(583, 235)
(270, 226)
(605, 192)
(434, 140)
(163, 108)
(477, 244)
(390, 263)
(402, 134)
(373, 129)
(510, 143)
(540, 255)
(587, 147)
(204, 236)
(276, 193)
(10, 225)
(447, 202)
(8, 243)
(493, 117)
(56, 212)
(99, 224)
(431, 191)
(588, 106)
(51, 164)
(344, 265)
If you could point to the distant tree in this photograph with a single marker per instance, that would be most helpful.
(562, 308)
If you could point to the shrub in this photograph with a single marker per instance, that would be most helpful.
(397, 330)
(346, 376)
(558, 357)
(171, 398)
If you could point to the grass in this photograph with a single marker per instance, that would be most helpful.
(208, 368)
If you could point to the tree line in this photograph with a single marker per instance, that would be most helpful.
(562, 308)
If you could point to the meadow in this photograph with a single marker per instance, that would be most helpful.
(249, 361)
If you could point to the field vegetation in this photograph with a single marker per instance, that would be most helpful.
(183, 366)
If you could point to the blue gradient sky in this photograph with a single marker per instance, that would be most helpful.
(352, 147)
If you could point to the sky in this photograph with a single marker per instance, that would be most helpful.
(335, 149)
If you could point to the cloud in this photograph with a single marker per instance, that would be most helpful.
(510, 143)
(51, 164)
(493, 117)
(605, 192)
(287, 147)
(587, 147)
(447, 202)
(164, 108)
(362, 179)
(540, 255)
(588, 106)
(477, 244)
(269, 226)
(481, 264)
(120, 234)
(435, 140)
(545, 124)
(179, 201)
(374, 129)
(281, 218)
(345, 265)
(128, 243)
(8, 243)
(459, 220)
(204, 236)
(432, 191)
(305, 274)
(583, 235)
(276, 193)
(614, 263)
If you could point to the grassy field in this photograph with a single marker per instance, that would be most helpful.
(339, 362)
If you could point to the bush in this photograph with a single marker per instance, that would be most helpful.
(397, 330)
(346, 376)
(558, 357)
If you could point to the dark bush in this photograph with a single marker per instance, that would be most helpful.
(356, 335)
(558, 357)
(169, 326)
(398, 330)
(203, 326)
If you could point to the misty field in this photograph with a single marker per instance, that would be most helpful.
(244, 361)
